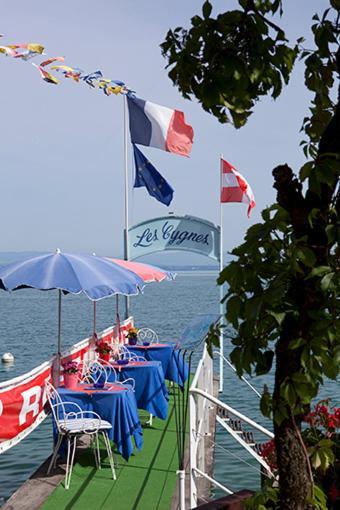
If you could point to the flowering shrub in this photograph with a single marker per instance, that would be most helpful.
(324, 418)
(269, 454)
(322, 439)
(103, 348)
(71, 367)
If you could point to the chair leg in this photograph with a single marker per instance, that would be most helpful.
(109, 452)
(149, 422)
(70, 460)
(98, 451)
(55, 453)
(94, 446)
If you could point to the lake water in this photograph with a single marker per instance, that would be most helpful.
(28, 330)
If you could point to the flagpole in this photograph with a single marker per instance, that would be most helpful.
(221, 286)
(126, 184)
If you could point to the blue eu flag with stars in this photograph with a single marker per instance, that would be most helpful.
(148, 176)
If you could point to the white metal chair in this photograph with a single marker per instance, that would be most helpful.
(137, 357)
(94, 371)
(72, 424)
(101, 370)
(125, 353)
(147, 335)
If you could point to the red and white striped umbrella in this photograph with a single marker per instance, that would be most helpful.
(145, 271)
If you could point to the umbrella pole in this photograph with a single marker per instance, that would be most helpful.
(117, 317)
(55, 368)
(59, 323)
(94, 317)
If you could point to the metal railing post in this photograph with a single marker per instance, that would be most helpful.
(193, 450)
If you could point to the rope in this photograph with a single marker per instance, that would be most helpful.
(213, 443)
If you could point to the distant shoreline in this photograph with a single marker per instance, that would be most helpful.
(9, 256)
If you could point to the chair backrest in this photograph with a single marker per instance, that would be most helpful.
(56, 403)
(147, 335)
(98, 371)
(137, 357)
(121, 352)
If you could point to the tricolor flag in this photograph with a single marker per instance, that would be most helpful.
(157, 126)
(234, 187)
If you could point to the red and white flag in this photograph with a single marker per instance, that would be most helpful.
(234, 187)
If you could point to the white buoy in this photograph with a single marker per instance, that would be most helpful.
(7, 357)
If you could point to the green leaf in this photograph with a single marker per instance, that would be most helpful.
(288, 393)
(306, 255)
(318, 499)
(278, 316)
(266, 404)
(296, 343)
(326, 281)
(318, 271)
(234, 305)
(206, 9)
(264, 362)
(306, 169)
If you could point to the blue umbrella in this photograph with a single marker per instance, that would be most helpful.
(95, 276)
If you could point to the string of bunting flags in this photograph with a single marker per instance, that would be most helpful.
(27, 51)
(151, 125)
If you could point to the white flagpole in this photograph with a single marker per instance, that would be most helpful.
(126, 184)
(221, 287)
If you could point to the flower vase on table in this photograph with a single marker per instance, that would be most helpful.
(104, 350)
(132, 336)
(71, 372)
(71, 381)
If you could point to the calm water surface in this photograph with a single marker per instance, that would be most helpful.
(28, 330)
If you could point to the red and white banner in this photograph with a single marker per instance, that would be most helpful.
(22, 399)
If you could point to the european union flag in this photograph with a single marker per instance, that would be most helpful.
(148, 176)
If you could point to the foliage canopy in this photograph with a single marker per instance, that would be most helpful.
(283, 285)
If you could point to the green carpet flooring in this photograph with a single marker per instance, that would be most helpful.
(146, 482)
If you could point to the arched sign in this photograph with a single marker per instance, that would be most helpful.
(186, 233)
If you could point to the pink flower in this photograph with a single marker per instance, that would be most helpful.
(71, 367)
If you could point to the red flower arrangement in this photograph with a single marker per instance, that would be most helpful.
(103, 348)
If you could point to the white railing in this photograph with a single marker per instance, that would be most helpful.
(202, 404)
(200, 409)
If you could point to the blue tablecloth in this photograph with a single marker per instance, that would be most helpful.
(118, 408)
(150, 388)
(174, 367)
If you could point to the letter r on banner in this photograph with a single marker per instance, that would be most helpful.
(31, 399)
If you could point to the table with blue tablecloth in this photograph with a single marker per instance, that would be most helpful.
(150, 389)
(174, 366)
(115, 404)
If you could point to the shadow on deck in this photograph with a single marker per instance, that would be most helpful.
(146, 481)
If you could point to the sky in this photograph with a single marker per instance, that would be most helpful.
(61, 152)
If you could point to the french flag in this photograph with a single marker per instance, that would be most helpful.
(157, 126)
